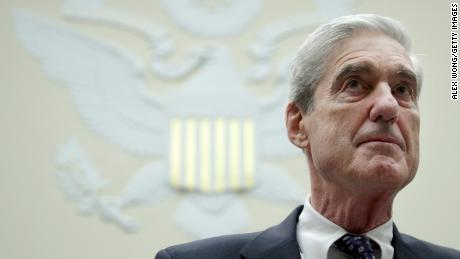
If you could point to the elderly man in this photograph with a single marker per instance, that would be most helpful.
(354, 113)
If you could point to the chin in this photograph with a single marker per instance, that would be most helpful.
(387, 172)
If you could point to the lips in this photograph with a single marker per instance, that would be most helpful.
(383, 139)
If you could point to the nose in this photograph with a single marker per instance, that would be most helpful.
(385, 107)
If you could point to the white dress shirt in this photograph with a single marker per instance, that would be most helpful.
(316, 235)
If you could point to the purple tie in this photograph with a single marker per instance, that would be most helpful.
(358, 247)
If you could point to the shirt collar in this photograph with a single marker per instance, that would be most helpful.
(383, 235)
(316, 234)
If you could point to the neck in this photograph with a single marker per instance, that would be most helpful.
(355, 212)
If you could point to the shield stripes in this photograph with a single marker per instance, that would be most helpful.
(212, 154)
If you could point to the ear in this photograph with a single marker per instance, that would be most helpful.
(296, 122)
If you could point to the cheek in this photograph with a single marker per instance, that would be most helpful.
(334, 126)
(331, 132)
(415, 143)
(330, 140)
(410, 127)
(346, 122)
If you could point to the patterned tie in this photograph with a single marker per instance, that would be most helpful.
(358, 247)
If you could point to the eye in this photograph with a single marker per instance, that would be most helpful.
(403, 91)
(354, 86)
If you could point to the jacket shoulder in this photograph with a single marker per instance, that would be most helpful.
(228, 246)
(424, 249)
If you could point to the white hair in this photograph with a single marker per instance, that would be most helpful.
(310, 63)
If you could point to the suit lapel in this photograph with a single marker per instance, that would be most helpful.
(279, 241)
(401, 248)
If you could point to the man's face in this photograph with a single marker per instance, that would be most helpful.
(363, 131)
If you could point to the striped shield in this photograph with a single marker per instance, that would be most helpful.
(212, 154)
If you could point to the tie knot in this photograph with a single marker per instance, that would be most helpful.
(357, 246)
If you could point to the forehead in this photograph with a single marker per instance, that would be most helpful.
(373, 48)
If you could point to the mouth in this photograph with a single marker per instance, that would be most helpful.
(383, 139)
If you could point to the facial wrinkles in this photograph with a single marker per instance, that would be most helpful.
(385, 68)
(407, 114)
(383, 62)
(342, 124)
(385, 56)
(388, 49)
(413, 118)
(337, 165)
(378, 127)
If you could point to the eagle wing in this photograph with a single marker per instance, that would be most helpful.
(106, 82)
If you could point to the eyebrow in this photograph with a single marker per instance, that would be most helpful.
(354, 68)
(366, 68)
(406, 73)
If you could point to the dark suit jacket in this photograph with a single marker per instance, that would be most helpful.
(280, 241)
